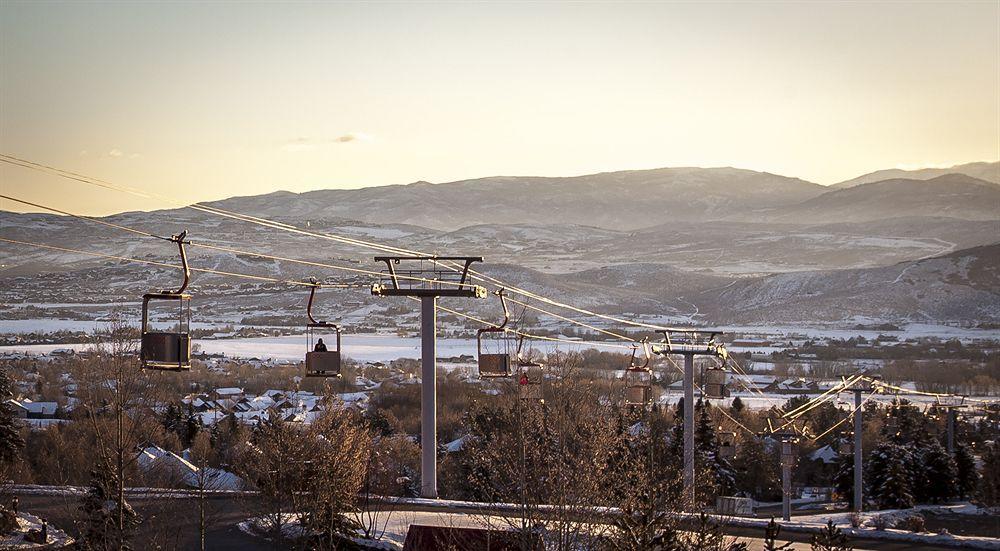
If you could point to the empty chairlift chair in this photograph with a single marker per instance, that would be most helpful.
(169, 349)
(321, 360)
(638, 379)
(717, 378)
(495, 364)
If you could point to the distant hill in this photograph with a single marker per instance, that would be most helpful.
(951, 195)
(963, 285)
(982, 170)
(614, 200)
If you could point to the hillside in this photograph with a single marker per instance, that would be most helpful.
(614, 200)
(982, 170)
(963, 285)
(952, 196)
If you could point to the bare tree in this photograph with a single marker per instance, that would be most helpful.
(308, 476)
(118, 398)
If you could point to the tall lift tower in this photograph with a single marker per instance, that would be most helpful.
(427, 278)
(691, 343)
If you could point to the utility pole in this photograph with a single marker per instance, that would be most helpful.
(690, 343)
(428, 278)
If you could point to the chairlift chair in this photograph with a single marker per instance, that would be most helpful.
(715, 384)
(321, 363)
(496, 364)
(168, 350)
(638, 378)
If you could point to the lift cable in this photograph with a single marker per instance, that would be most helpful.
(533, 336)
(702, 391)
(288, 227)
(904, 390)
(847, 418)
(220, 248)
(176, 267)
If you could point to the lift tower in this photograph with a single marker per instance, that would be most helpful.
(867, 384)
(427, 278)
(691, 343)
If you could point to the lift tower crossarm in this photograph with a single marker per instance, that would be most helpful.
(430, 282)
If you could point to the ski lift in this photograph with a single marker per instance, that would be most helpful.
(716, 379)
(727, 445)
(638, 378)
(168, 350)
(320, 361)
(530, 377)
(497, 364)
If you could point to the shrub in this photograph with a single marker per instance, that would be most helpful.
(856, 520)
(879, 522)
(912, 523)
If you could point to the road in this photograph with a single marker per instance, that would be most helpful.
(173, 523)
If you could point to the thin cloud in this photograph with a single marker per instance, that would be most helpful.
(312, 144)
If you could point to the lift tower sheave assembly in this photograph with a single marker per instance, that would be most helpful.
(691, 343)
(427, 278)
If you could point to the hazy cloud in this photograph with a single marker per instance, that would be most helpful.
(115, 153)
(312, 144)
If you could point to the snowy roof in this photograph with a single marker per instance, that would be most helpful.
(456, 445)
(42, 408)
(228, 391)
(826, 454)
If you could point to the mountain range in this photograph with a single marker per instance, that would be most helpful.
(719, 245)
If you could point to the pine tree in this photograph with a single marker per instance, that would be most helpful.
(99, 507)
(757, 471)
(889, 478)
(830, 538)
(968, 476)
(737, 406)
(771, 538)
(938, 474)
(843, 480)
(11, 442)
(989, 484)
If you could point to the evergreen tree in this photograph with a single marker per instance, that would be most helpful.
(968, 476)
(707, 457)
(99, 508)
(989, 484)
(757, 471)
(172, 420)
(843, 480)
(938, 475)
(737, 406)
(771, 538)
(889, 478)
(830, 538)
(11, 442)
(192, 426)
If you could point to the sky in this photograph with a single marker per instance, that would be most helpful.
(201, 101)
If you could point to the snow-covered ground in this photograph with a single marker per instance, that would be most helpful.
(56, 539)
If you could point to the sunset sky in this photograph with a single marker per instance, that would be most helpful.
(208, 101)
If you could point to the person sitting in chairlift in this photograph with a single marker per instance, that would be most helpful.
(320, 346)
